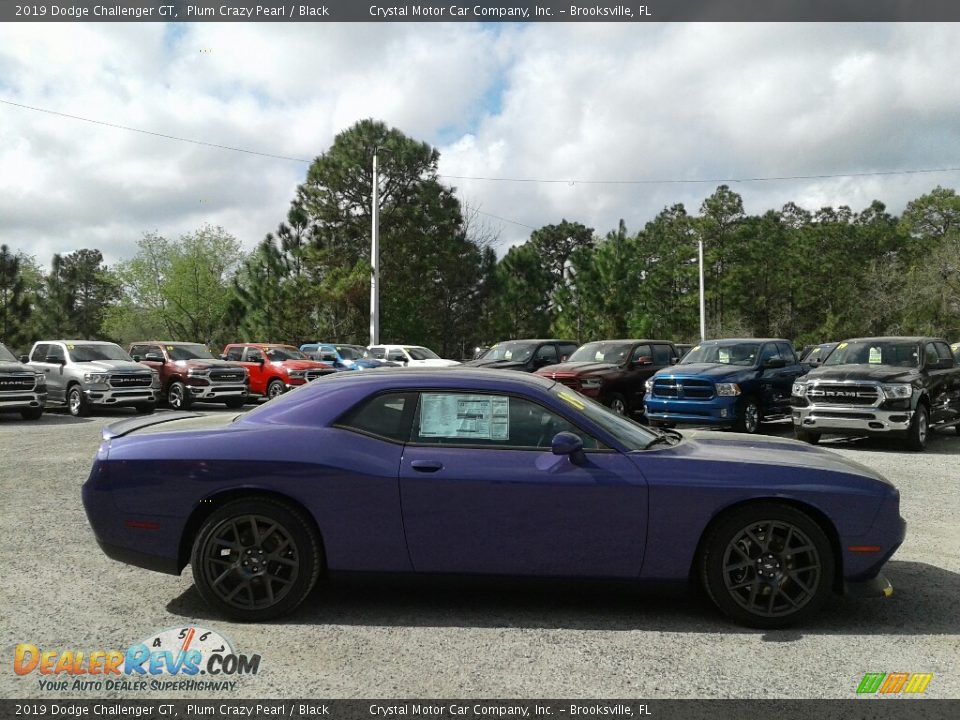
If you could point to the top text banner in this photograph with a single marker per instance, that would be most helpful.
(466, 11)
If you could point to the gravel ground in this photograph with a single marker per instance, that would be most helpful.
(60, 592)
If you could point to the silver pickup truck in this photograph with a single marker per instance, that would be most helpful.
(87, 374)
(22, 389)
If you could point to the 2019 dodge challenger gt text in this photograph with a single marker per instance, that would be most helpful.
(478, 472)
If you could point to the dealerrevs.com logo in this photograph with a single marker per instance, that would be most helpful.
(189, 658)
(898, 683)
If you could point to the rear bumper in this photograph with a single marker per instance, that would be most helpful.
(851, 420)
(140, 559)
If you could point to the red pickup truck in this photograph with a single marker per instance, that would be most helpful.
(274, 368)
(189, 373)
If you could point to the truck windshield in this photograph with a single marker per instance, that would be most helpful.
(351, 352)
(6, 355)
(421, 353)
(514, 351)
(744, 354)
(90, 353)
(632, 434)
(876, 352)
(189, 352)
(603, 352)
(279, 354)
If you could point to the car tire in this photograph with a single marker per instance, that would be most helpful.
(235, 403)
(919, 430)
(807, 436)
(263, 576)
(177, 396)
(618, 404)
(767, 565)
(145, 408)
(77, 404)
(748, 419)
(32, 413)
(274, 389)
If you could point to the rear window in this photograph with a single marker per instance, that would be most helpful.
(385, 416)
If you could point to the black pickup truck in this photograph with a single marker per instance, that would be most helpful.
(899, 386)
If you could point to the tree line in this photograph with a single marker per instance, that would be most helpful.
(804, 275)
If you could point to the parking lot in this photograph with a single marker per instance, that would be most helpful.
(61, 592)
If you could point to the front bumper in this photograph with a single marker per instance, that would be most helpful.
(22, 400)
(720, 411)
(105, 395)
(851, 420)
(217, 393)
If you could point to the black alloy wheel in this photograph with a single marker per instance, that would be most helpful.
(618, 404)
(919, 430)
(749, 419)
(274, 389)
(256, 559)
(767, 565)
(177, 396)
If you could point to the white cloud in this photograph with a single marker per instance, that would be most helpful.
(565, 101)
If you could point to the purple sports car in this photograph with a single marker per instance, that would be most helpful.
(478, 472)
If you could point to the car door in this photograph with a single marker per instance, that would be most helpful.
(940, 380)
(951, 371)
(54, 371)
(482, 493)
(545, 355)
(255, 363)
(783, 381)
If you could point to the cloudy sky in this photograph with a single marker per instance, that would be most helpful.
(578, 104)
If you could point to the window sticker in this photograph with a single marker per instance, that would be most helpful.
(170, 347)
(571, 399)
(598, 356)
(874, 358)
(70, 346)
(481, 417)
(842, 345)
(724, 355)
(508, 354)
(694, 348)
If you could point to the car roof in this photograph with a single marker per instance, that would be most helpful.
(893, 338)
(165, 342)
(631, 340)
(749, 339)
(558, 340)
(449, 377)
(79, 342)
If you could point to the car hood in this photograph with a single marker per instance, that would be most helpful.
(574, 369)
(436, 362)
(300, 364)
(496, 364)
(767, 450)
(205, 363)
(877, 373)
(710, 370)
(15, 367)
(123, 366)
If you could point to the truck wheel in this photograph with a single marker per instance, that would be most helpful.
(177, 396)
(235, 403)
(919, 429)
(618, 404)
(31, 413)
(748, 420)
(274, 389)
(806, 436)
(145, 408)
(77, 402)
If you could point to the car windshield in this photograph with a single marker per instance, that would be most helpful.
(351, 352)
(89, 353)
(898, 353)
(514, 350)
(744, 354)
(603, 352)
(421, 353)
(6, 355)
(631, 434)
(286, 352)
(189, 352)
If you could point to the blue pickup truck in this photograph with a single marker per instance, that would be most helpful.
(738, 383)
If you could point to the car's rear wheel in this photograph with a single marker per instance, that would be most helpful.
(618, 404)
(256, 559)
(767, 565)
(748, 420)
(274, 389)
(919, 429)
(177, 396)
(77, 402)
(807, 436)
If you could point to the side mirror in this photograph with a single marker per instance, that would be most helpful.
(24, 358)
(945, 364)
(152, 357)
(643, 360)
(568, 443)
(55, 360)
(674, 360)
(223, 356)
(774, 363)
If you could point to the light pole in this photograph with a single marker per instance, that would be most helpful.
(703, 316)
(375, 259)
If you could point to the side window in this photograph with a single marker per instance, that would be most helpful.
(930, 356)
(40, 353)
(787, 353)
(489, 420)
(566, 350)
(396, 356)
(546, 355)
(235, 353)
(376, 352)
(254, 355)
(944, 351)
(386, 416)
(641, 351)
(138, 350)
(661, 355)
(56, 351)
(326, 356)
(768, 353)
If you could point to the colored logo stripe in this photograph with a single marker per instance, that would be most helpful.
(918, 682)
(894, 682)
(871, 682)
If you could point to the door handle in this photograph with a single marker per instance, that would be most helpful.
(426, 465)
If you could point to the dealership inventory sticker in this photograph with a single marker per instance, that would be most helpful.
(484, 417)
(176, 659)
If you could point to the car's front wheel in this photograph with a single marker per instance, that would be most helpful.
(256, 559)
(919, 429)
(77, 402)
(618, 404)
(177, 396)
(767, 565)
(274, 389)
(749, 419)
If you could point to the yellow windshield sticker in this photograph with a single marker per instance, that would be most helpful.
(169, 347)
(841, 346)
(571, 399)
(695, 347)
(69, 346)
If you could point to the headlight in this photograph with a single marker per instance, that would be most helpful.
(799, 390)
(155, 378)
(897, 391)
(648, 385)
(198, 372)
(727, 389)
(591, 383)
(296, 373)
(41, 380)
(96, 378)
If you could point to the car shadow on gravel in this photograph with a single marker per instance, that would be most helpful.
(49, 417)
(923, 603)
(941, 442)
